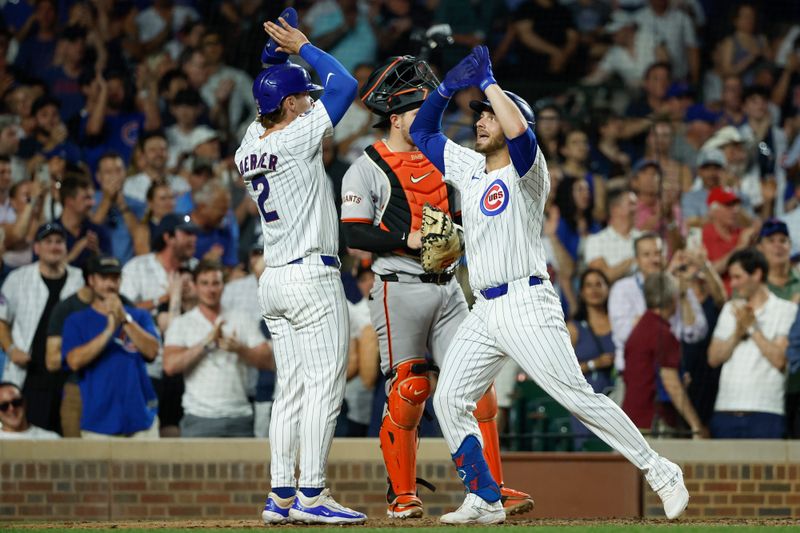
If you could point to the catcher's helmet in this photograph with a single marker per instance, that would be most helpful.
(275, 83)
(525, 108)
(399, 85)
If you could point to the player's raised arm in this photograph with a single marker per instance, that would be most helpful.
(340, 86)
(426, 131)
(517, 128)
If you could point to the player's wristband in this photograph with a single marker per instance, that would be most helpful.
(487, 82)
(591, 366)
(444, 91)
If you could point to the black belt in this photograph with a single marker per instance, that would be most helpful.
(327, 260)
(495, 292)
(438, 279)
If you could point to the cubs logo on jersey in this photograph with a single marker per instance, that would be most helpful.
(495, 199)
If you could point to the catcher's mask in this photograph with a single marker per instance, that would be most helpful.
(397, 86)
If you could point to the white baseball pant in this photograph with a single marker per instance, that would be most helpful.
(527, 324)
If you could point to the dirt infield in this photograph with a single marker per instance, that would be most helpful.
(389, 523)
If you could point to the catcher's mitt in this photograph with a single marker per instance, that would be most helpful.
(442, 240)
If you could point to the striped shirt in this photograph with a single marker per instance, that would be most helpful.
(286, 178)
(502, 213)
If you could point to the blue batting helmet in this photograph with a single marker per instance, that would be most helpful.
(275, 83)
(524, 107)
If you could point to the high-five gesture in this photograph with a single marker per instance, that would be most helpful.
(289, 40)
(461, 76)
(481, 54)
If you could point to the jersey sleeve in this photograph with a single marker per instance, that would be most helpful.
(537, 178)
(357, 193)
(460, 164)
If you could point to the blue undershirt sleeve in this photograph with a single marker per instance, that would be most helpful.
(426, 130)
(522, 150)
(340, 86)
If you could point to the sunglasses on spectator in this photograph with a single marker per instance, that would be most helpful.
(16, 402)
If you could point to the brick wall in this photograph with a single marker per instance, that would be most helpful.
(228, 479)
(90, 490)
(737, 490)
(178, 486)
(745, 479)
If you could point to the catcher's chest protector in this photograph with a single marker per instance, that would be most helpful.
(413, 181)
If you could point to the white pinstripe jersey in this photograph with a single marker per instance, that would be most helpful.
(502, 214)
(285, 176)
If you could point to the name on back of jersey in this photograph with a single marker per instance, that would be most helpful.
(266, 162)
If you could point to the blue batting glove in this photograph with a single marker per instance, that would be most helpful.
(269, 55)
(485, 73)
(461, 76)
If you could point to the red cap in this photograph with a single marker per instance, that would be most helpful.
(722, 195)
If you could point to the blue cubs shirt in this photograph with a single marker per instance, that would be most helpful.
(118, 398)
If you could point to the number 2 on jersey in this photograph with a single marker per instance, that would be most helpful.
(263, 194)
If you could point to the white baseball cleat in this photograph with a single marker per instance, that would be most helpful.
(323, 509)
(674, 496)
(276, 509)
(476, 510)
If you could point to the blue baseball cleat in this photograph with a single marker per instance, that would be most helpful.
(276, 510)
(323, 509)
(269, 55)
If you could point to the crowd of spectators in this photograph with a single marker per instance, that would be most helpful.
(130, 251)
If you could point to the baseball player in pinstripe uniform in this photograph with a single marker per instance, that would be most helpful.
(503, 186)
(414, 313)
(300, 290)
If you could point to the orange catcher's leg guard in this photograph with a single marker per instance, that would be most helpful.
(486, 414)
(405, 404)
(514, 501)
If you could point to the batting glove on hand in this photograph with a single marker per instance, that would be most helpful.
(270, 55)
(485, 73)
(461, 76)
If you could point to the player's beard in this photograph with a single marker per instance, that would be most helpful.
(492, 145)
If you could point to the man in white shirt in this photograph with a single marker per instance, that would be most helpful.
(214, 348)
(242, 294)
(29, 294)
(13, 420)
(626, 303)
(159, 23)
(632, 52)
(750, 342)
(154, 157)
(674, 29)
(226, 79)
(611, 250)
(146, 278)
